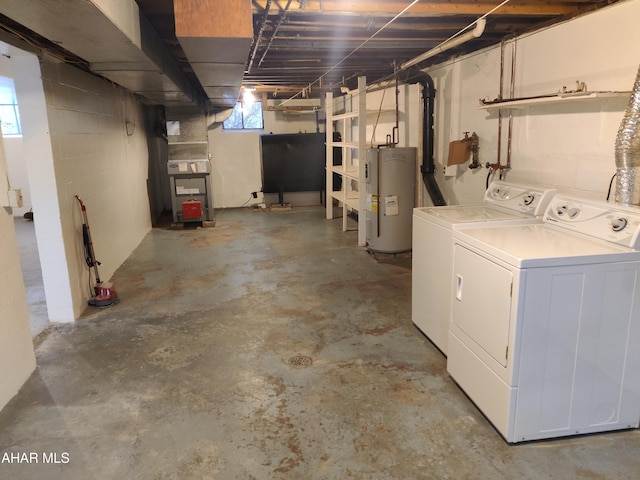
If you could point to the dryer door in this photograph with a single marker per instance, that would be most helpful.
(481, 303)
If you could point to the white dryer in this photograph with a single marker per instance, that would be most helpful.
(545, 321)
(504, 203)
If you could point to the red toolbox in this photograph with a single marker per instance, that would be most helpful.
(191, 209)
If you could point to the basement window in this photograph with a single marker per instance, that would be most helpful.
(9, 114)
(245, 116)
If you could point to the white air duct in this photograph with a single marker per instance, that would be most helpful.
(627, 151)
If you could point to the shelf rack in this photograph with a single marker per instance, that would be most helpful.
(347, 114)
(559, 98)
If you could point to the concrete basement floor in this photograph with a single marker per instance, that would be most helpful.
(268, 347)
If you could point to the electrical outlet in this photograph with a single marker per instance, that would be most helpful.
(450, 170)
(15, 197)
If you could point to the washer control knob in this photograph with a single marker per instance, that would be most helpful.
(573, 212)
(529, 198)
(500, 193)
(619, 224)
(561, 210)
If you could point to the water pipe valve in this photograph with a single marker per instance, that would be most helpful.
(474, 147)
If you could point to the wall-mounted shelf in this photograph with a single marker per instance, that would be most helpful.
(523, 103)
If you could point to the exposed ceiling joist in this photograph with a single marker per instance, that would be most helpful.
(338, 40)
(431, 8)
(285, 46)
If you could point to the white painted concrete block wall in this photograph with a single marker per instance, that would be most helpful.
(570, 147)
(96, 159)
(17, 359)
(13, 144)
(236, 164)
(381, 116)
(38, 157)
(76, 142)
(18, 171)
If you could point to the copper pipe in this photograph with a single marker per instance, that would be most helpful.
(500, 98)
(511, 95)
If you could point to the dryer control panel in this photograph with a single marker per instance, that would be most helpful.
(519, 198)
(619, 224)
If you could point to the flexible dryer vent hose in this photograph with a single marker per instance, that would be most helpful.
(627, 151)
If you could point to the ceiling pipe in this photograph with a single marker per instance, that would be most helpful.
(428, 167)
(256, 44)
(454, 42)
(428, 96)
(283, 14)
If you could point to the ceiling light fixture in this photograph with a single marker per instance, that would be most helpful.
(248, 96)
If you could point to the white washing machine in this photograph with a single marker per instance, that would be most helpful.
(545, 321)
(504, 202)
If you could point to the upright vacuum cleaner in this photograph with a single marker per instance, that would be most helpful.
(104, 294)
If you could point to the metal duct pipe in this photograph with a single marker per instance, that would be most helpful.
(218, 117)
(627, 151)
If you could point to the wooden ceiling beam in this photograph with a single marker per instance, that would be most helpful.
(424, 9)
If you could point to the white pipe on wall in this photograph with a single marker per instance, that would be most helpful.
(454, 42)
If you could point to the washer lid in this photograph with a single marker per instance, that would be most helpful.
(503, 202)
(459, 214)
(542, 245)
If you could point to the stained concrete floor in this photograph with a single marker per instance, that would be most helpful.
(32, 275)
(268, 347)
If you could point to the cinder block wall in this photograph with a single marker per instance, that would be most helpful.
(99, 146)
(17, 360)
(569, 146)
(236, 163)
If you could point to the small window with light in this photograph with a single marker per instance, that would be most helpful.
(246, 115)
(9, 114)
